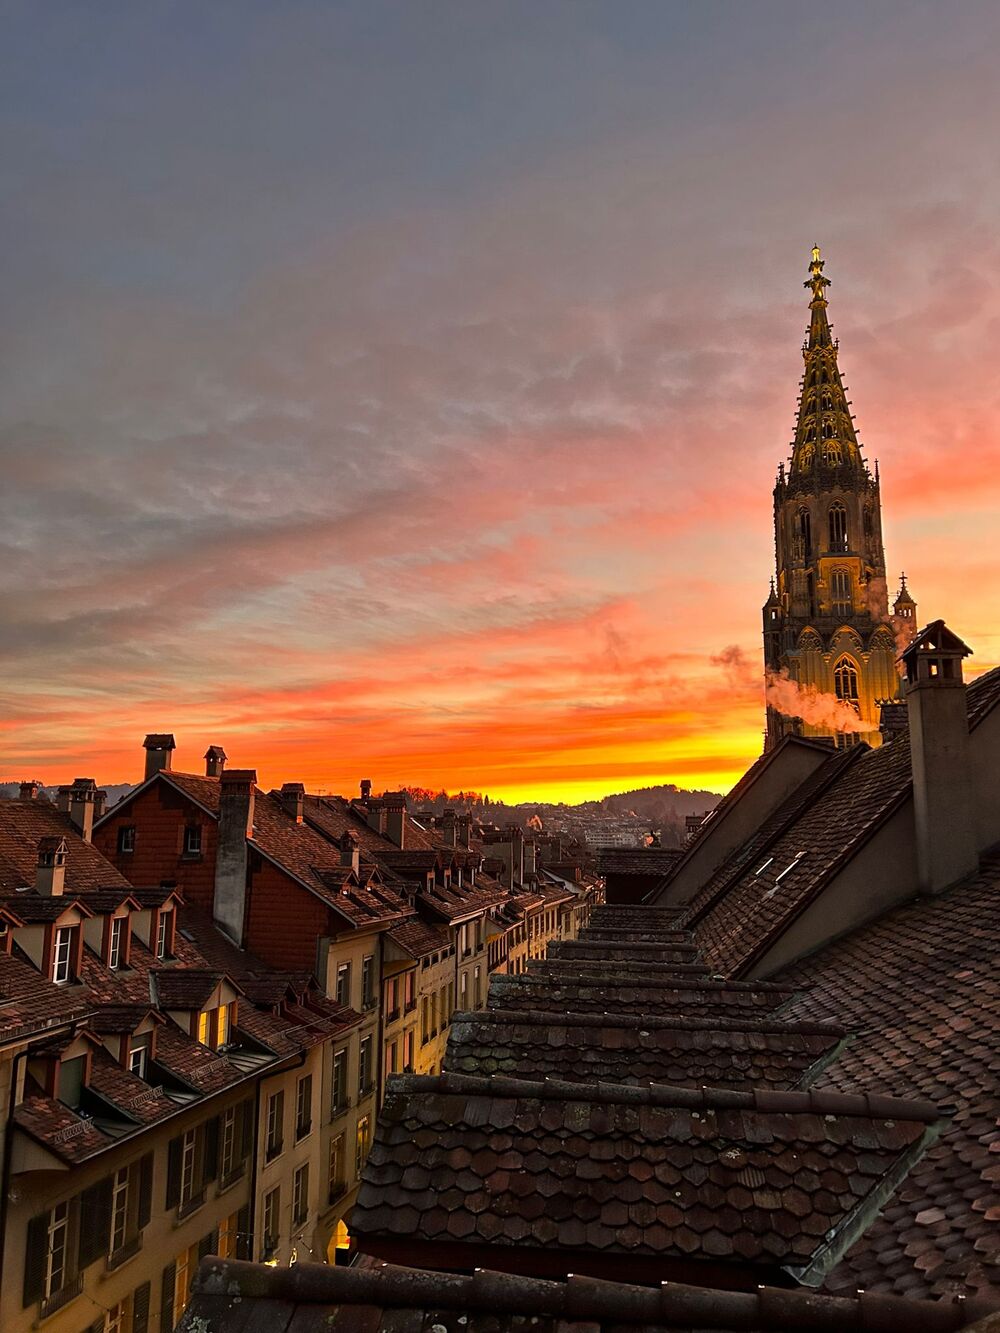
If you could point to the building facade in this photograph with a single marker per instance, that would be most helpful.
(827, 624)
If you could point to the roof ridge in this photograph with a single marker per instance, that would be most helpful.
(810, 1101)
(579, 1298)
(600, 1022)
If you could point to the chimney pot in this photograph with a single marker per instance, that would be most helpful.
(159, 746)
(215, 761)
(293, 798)
(29, 791)
(366, 789)
(349, 854)
(78, 801)
(50, 876)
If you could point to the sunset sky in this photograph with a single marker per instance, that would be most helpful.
(396, 390)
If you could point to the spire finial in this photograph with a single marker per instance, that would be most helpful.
(815, 280)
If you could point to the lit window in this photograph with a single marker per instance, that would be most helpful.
(228, 1232)
(203, 1027)
(363, 1142)
(187, 1263)
(61, 955)
(845, 681)
(221, 1025)
(115, 945)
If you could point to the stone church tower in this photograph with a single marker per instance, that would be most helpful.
(827, 624)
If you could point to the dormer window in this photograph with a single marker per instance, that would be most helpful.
(62, 955)
(137, 1061)
(126, 838)
(115, 943)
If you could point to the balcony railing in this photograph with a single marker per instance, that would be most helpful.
(124, 1252)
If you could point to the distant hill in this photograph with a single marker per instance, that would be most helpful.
(9, 791)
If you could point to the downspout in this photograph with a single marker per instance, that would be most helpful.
(8, 1146)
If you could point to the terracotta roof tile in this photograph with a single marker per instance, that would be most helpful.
(695, 1164)
(23, 824)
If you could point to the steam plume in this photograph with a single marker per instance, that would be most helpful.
(787, 696)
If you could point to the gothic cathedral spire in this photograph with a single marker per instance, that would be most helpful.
(826, 621)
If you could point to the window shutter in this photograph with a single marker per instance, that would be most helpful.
(95, 1222)
(246, 1131)
(97, 1326)
(145, 1190)
(244, 1246)
(34, 1258)
(167, 1299)
(208, 1245)
(140, 1309)
(174, 1172)
(210, 1167)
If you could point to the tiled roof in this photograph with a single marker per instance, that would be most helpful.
(35, 909)
(30, 1003)
(921, 989)
(454, 902)
(184, 987)
(70, 1136)
(205, 1070)
(759, 1178)
(584, 1048)
(419, 938)
(611, 952)
(715, 999)
(23, 823)
(132, 1098)
(737, 927)
(751, 853)
(636, 860)
(230, 1296)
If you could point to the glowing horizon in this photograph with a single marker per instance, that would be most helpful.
(418, 420)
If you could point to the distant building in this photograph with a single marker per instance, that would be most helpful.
(826, 620)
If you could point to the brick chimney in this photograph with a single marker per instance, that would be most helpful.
(349, 855)
(215, 761)
(28, 791)
(159, 747)
(50, 876)
(449, 829)
(78, 801)
(236, 802)
(292, 798)
(394, 804)
(465, 832)
(943, 810)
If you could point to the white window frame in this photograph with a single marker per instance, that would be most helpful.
(300, 1195)
(189, 848)
(162, 924)
(119, 1210)
(115, 943)
(137, 1061)
(189, 1147)
(56, 1275)
(62, 955)
(227, 1145)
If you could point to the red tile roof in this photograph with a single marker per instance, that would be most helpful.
(769, 1179)
(921, 989)
(23, 824)
(419, 938)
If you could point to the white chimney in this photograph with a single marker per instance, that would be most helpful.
(236, 805)
(50, 876)
(943, 809)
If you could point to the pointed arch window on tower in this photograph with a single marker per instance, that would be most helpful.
(806, 457)
(840, 593)
(804, 524)
(832, 456)
(845, 681)
(838, 527)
